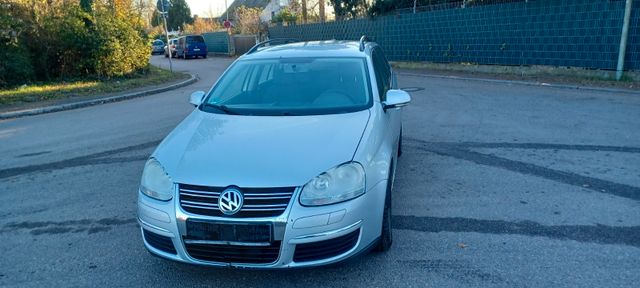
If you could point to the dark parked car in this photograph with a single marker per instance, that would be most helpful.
(157, 47)
(191, 46)
(171, 47)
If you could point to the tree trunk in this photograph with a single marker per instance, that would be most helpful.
(321, 7)
(304, 11)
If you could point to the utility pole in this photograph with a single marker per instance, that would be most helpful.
(166, 32)
(623, 40)
(321, 8)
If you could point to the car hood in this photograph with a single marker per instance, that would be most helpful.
(258, 151)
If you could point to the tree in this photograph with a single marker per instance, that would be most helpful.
(321, 8)
(345, 8)
(156, 18)
(248, 20)
(285, 16)
(304, 11)
(179, 14)
(146, 10)
(200, 26)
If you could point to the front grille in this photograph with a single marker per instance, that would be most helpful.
(326, 249)
(258, 202)
(159, 242)
(235, 254)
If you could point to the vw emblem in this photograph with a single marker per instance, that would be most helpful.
(230, 201)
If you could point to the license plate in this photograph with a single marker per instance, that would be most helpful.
(196, 49)
(201, 230)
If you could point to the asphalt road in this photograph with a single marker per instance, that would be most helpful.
(500, 185)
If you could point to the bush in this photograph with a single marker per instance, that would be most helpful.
(120, 49)
(15, 68)
(64, 40)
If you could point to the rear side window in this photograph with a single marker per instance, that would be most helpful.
(383, 73)
(195, 39)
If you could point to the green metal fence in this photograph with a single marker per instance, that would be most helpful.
(217, 42)
(577, 33)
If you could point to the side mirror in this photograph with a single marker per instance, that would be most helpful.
(396, 99)
(196, 98)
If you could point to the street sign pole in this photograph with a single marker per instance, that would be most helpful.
(166, 31)
(227, 20)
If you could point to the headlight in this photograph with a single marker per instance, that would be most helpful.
(155, 182)
(341, 183)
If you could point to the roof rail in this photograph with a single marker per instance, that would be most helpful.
(270, 41)
(363, 40)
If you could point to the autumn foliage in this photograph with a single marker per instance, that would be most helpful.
(54, 39)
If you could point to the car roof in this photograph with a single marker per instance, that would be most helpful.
(330, 48)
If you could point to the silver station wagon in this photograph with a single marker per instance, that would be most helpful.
(288, 161)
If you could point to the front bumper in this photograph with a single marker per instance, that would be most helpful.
(358, 220)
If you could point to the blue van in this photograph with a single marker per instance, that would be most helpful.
(191, 46)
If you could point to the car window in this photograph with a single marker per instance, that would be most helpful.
(158, 42)
(195, 39)
(294, 86)
(382, 71)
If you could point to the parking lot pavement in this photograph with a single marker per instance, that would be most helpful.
(499, 186)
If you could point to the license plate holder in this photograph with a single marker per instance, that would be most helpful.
(232, 232)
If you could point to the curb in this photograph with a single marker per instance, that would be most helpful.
(526, 83)
(93, 102)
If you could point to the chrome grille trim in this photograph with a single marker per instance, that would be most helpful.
(199, 203)
(200, 207)
(258, 202)
(199, 195)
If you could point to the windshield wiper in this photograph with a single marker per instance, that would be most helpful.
(223, 108)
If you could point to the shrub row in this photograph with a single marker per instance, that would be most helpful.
(41, 41)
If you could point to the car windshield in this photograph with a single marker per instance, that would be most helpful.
(158, 42)
(292, 86)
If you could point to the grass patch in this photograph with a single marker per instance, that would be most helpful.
(39, 92)
(546, 74)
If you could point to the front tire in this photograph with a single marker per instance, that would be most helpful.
(386, 237)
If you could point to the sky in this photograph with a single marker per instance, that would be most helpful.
(202, 7)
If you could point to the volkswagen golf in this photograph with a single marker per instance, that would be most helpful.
(287, 161)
